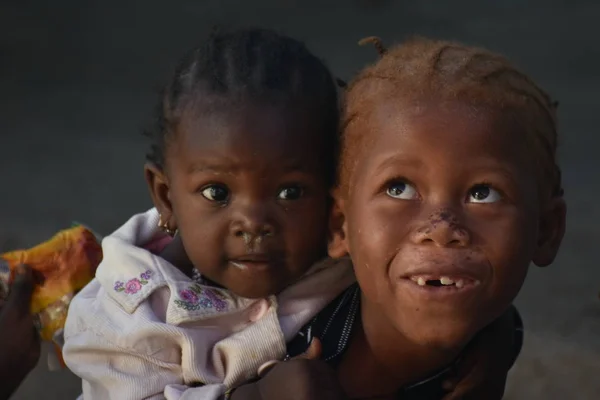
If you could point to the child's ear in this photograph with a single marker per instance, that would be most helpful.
(158, 185)
(337, 247)
(551, 232)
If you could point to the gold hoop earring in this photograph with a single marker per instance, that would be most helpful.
(164, 226)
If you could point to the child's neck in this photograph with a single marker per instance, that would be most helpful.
(380, 361)
(174, 252)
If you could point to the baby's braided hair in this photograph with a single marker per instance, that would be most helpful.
(423, 68)
(248, 66)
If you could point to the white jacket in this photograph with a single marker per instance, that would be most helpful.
(144, 330)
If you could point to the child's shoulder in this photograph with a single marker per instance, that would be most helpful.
(130, 272)
(143, 284)
(128, 298)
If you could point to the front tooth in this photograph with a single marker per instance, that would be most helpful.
(446, 281)
(421, 281)
(460, 283)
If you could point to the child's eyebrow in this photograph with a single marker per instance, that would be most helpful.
(501, 170)
(397, 159)
(489, 166)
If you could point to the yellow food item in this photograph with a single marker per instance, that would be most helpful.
(62, 266)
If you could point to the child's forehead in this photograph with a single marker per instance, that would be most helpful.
(441, 137)
(246, 123)
(468, 124)
(247, 137)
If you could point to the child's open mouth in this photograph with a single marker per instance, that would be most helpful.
(455, 280)
(443, 281)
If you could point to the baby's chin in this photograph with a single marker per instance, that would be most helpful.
(253, 288)
(253, 293)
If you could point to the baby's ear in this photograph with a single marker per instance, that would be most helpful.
(158, 185)
(337, 246)
(551, 232)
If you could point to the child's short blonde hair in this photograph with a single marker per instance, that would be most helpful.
(423, 69)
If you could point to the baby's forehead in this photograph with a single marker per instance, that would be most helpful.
(248, 139)
(244, 123)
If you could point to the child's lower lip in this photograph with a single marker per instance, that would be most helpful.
(244, 265)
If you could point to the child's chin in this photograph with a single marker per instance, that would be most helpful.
(258, 290)
(446, 334)
(250, 293)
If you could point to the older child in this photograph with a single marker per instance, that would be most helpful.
(449, 188)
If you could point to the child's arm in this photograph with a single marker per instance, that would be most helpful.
(19, 343)
(111, 372)
(123, 356)
(483, 372)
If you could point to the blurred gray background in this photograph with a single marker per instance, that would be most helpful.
(78, 80)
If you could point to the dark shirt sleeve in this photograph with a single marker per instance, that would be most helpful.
(334, 323)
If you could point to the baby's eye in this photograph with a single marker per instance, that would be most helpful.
(402, 190)
(290, 193)
(483, 194)
(218, 193)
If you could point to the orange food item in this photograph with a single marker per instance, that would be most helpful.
(65, 263)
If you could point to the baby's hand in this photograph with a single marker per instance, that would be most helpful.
(302, 378)
(19, 341)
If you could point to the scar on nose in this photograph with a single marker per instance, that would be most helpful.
(447, 217)
(444, 216)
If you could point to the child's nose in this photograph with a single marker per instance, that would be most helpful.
(442, 228)
(252, 221)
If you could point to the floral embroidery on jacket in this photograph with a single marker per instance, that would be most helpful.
(134, 285)
(198, 298)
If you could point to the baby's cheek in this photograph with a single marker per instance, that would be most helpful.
(304, 234)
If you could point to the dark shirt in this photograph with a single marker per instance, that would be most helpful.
(333, 326)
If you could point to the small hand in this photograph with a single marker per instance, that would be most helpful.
(302, 378)
(19, 340)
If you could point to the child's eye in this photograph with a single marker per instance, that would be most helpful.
(402, 190)
(290, 193)
(483, 194)
(216, 193)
